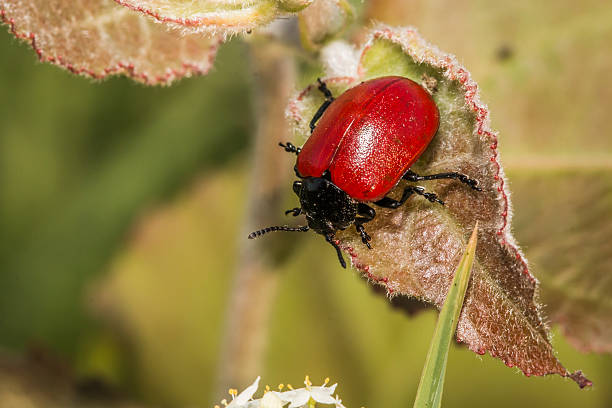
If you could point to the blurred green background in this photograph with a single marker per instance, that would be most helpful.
(121, 209)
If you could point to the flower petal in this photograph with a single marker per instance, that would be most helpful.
(247, 394)
(300, 398)
(323, 394)
(286, 396)
(271, 400)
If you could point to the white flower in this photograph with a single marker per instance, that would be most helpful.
(301, 396)
(277, 399)
(271, 400)
(338, 402)
(244, 399)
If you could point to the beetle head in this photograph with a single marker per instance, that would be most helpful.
(326, 206)
(327, 209)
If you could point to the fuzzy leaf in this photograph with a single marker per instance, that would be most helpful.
(99, 38)
(213, 17)
(416, 248)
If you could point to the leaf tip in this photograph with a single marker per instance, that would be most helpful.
(580, 379)
(474, 236)
(470, 249)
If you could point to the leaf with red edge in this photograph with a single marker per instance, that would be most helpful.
(99, 38)
(224, 17)
(416, 247)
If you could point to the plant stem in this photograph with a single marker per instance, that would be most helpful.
(254, 285)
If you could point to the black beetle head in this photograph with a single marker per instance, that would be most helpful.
(327, 209)
(326, 206)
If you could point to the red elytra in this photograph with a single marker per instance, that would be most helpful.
(370, 136)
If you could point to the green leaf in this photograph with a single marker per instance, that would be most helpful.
(431, 386)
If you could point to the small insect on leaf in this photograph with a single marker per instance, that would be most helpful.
(411, 248)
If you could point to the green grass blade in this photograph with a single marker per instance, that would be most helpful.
(429, 393)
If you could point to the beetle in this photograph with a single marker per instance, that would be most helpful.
(361, 145)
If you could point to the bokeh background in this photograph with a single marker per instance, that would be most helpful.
(121, 213)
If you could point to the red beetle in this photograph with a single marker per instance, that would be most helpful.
(363, 144)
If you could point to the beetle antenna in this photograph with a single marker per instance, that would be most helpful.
(255, 234)
(330, 239)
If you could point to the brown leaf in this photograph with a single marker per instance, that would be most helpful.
(98, 39)
(416, 248)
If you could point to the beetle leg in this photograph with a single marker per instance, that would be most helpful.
(412, 176)
(365, 238)
(329, 238)
(323, 88)
(294, 211)
(297, 173)
(387, 202)
(432, 197)
(366, 214)
(318, 114)
(329, 98)
(291, 148)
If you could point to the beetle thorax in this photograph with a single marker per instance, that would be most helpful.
(326, 206)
